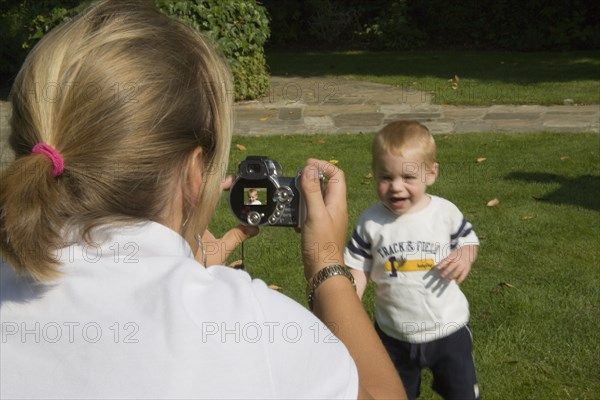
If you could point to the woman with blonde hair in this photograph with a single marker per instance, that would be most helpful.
(121, 130)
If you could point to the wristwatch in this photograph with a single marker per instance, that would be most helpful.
(326, 273)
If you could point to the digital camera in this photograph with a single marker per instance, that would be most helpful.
(261, 196)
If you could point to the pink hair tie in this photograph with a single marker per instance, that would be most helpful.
(58, 163)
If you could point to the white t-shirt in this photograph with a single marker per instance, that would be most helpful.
(413, 303)
(135, 316)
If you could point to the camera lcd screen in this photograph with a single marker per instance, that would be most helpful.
(255, 196)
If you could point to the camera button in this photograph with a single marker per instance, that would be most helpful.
(254, 218)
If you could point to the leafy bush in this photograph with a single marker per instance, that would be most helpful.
(410, 24)
(393, 29)
(509, 24)
(24, 22)
(239, 28)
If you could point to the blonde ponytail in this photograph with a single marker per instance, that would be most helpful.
(125, 94)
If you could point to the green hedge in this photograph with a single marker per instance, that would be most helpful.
(239, 28)
(529, 25)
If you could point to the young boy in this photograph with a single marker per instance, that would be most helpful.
(417, 248)
(253, 197)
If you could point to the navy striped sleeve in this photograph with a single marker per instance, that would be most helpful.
(359, 246)
(464, 230)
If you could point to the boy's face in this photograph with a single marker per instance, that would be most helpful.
(402, 181)
(252, 196)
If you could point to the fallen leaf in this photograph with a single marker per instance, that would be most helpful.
(527, 217)
(369, 175)
(274, 287)
(321, 141)
(498, 289)
(334, 162)
(493, 203)
(481, 159)
(263, 119)
(563, 158)
(236, 263)
(454, 82)
(241, 147)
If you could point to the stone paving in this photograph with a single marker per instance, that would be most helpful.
(315, 105)
(297, 105)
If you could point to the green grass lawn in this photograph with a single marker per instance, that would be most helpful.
(534, 291)
(485, 77)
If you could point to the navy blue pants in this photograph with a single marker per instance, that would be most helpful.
(450, 360)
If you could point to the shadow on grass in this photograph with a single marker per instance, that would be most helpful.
(582, 191)
(510, 67)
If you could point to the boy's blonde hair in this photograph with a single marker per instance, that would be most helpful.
(125, 94)
(398, 136)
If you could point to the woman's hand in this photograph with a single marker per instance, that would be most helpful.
(336, 302)
(324, 231)
(216, 250)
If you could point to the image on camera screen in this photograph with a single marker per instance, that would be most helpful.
(255, 196)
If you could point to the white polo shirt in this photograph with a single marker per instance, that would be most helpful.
(135, 316)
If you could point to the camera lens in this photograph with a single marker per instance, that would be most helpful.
(253, 168)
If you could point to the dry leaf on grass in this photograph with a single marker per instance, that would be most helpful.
(481, 159)
(454, 82)
(241, 147)
(501, 286)
(493, 203)
(334, 162)
(563, 158)
(367, 179)
(527, 217)
(274, 287)
(236, 263)
(321, 141)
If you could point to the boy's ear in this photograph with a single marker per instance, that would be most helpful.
(432, 174)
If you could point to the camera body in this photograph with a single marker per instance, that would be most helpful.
(261, 196)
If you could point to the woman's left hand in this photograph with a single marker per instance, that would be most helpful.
(217, 250)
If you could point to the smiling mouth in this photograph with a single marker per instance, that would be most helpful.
(398, 201)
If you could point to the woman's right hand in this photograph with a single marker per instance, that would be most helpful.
(324, 230)
(336, 303)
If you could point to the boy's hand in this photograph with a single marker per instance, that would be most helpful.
(458, 263)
